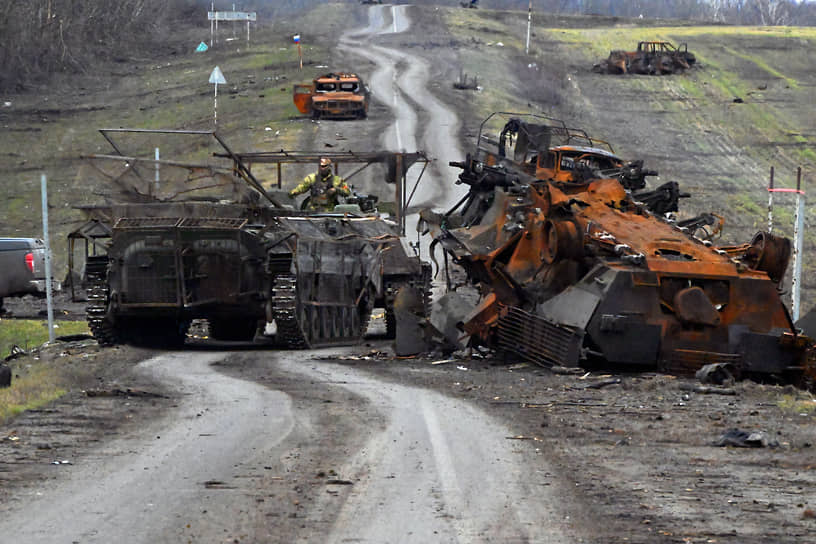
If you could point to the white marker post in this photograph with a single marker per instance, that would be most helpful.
(529, 20)
(49, 296)
(216, 77)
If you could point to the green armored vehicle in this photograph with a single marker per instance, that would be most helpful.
(161, 263)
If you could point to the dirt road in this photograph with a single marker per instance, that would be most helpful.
(432, 468)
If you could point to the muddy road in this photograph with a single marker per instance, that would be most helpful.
(409, 464)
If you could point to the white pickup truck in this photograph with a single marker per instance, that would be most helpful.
(22, 268)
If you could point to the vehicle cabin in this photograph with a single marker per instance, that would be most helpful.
(562, 163)
(333, 96)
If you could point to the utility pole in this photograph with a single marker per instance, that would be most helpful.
(529, 21)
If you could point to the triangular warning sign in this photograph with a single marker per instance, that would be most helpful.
(201, 47)
(217, 77)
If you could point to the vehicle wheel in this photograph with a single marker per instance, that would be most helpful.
(234, 330)
(5, 375)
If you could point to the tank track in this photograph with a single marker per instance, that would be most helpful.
(294, 334)
(284, 299)
(96, 312)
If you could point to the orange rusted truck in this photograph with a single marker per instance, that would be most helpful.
(336, 95)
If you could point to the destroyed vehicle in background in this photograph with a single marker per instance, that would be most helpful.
(176, 252)
(577, 271)
(650, 58)
(333, 96)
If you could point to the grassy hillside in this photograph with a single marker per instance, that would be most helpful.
(687, 126)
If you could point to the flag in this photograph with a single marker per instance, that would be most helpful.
(296, 37)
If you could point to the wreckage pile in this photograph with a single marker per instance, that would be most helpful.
(650, 58)
(577, 264)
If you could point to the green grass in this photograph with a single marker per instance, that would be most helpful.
(35, 382)
(34, 385)
(799, 403)
(27, 334)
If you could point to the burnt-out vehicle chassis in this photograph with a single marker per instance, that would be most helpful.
(576, 270)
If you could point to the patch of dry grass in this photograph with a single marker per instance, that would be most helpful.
(34, 384)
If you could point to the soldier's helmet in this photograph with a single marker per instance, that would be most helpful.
(325, 166)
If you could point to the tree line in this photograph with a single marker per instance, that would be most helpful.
(41, 37)
(732, 12)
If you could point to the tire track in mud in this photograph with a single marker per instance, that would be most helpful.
(401, 82)
(441, 470)
(138, 489)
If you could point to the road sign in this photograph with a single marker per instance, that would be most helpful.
(217, 77)
(231, 16)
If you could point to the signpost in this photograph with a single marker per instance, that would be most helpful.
(215, 16)
(798, 235)
(216, 77)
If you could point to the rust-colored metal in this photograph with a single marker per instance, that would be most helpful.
(336, 95)
(577, 252)
(650, 57)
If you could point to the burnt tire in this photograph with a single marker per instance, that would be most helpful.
(5, 375)
(233, 330)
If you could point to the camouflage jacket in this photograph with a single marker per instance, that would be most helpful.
(319, 198)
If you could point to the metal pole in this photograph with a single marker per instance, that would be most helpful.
(770, 201)
(215, 106)
(48, 294)
(212, 22)
(529, 19)
(158, 168)
(798, 243)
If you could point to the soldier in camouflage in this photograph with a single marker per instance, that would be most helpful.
(325, 188)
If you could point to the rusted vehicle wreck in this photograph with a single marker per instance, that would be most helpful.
(650, 58)
(573, 268)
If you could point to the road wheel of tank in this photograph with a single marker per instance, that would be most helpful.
(105, 332)
(236, 330)
(343, 319)
(355, 323)
(335, 330)
(313, 323)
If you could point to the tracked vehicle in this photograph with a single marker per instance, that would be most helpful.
(242, 262)
(577, 270)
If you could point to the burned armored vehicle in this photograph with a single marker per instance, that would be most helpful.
(576, 269)
(166, 251)
(650, 58)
